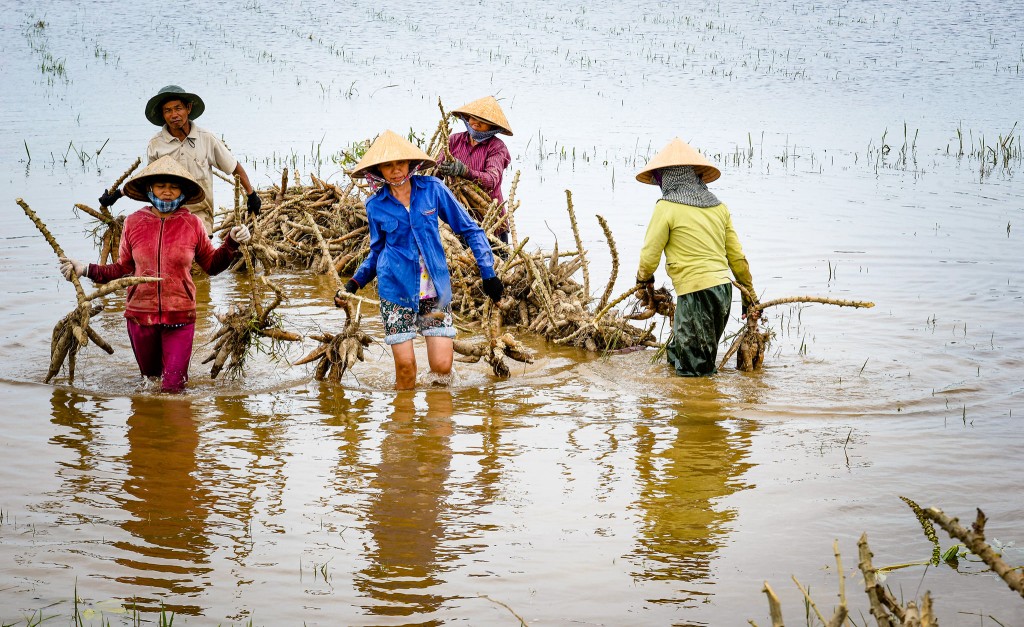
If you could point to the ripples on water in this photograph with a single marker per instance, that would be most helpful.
(584, 489)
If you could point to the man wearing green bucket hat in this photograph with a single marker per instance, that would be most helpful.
(194, 148)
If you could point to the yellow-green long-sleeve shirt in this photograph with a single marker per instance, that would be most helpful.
(700, 247)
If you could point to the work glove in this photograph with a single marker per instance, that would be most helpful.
(253, 203)
(350, 288)
(240, 234)
(494, 288)
(452, 168)
(643, 285)
(108, 198)
(72, 266)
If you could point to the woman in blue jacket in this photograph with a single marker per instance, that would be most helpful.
(406, 255)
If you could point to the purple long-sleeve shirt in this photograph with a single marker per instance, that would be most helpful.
(486, 162)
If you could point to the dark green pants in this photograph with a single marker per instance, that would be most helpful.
(696, 329)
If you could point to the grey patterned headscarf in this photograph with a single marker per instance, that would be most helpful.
(681, 184)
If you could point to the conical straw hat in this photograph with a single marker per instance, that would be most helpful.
(678, 152)
(164, 167)
(390, 146)
(486, 109)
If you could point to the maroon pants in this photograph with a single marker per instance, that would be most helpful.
(163, 351)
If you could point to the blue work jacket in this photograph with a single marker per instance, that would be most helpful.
(398, 238)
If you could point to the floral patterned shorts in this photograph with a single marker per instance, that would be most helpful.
(401, 324)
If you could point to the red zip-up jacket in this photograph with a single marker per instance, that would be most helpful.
(164, 247)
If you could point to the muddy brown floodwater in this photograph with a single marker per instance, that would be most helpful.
(867, 153)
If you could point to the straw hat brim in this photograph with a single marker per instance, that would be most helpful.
(488, 110)
(678, 152)
(153, 107)
(164, 168)
(390, 146)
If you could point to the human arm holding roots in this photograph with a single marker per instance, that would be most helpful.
(740, 268)
(367, 270)
(456, 216)
(655, 240)
(124, 266)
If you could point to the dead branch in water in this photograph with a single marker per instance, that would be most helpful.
(974, 540)
(337, 353)
(241, 326)
(72, 332)
(751, 343)
(112, 226)
(884, 606)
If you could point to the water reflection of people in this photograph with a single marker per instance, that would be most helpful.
(168, 507)
(680, 484)
(404, 517)
(78, 415)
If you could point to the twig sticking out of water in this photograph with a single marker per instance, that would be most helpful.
(615, 262)
(522, 622)
(242, 326)
(579, 244)
(751, 342)
(974, 540)
(113, 226)
(885, 608)
(337, 353)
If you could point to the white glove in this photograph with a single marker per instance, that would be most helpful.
(68, 266)
(240, 234)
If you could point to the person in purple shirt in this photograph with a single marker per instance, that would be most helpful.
(478, 154)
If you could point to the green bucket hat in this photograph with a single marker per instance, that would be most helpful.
(156, 116)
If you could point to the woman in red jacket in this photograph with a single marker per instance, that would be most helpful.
(163, 240)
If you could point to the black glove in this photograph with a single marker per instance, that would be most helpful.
(494, 288)
(253, 203)
(108, 198)
(643, 286)
(350, 288)
(452, 168)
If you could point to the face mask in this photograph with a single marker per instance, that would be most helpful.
(479, 136)
(377, 181)
(166, 206)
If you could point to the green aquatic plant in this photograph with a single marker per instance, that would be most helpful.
(929, 530)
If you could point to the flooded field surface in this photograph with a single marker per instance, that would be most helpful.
(867, 153)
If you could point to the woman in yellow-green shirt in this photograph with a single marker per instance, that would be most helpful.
(693, 229)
